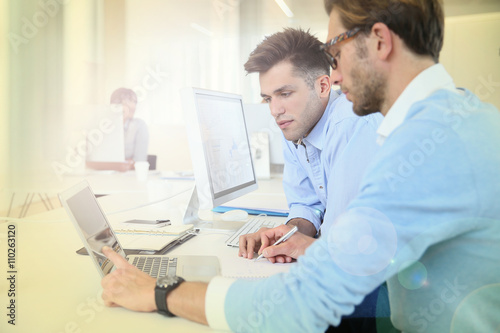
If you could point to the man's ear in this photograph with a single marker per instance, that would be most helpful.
(325, 85)
(382, 39)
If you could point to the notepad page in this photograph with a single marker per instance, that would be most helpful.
(148, 238)
(127, 228)
(146, 242)
(242, 268)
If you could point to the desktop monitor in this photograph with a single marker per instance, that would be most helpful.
(219, 146)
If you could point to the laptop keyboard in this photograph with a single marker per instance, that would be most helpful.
(251, 226)
(156, 266)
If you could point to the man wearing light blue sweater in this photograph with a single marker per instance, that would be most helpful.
(427, 219)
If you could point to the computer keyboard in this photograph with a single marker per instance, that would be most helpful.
(156, 266)
(251, 226)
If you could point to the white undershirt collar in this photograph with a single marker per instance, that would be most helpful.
(422, 86)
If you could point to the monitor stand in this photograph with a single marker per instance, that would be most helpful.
(191, 216)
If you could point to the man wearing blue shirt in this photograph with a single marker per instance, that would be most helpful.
(326, 145)
(427, 219)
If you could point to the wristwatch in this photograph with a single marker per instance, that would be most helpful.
(164, 285)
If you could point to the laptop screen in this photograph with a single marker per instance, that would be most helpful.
(92, 225)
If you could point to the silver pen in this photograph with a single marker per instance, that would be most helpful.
(281, 240)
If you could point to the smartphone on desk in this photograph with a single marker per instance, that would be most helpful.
(150, 223)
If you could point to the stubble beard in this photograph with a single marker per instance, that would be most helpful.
(370, 91)
(312, 113)
(369, 86)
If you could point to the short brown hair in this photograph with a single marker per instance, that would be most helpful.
(419, 23)
(297, 46)
(123, 94)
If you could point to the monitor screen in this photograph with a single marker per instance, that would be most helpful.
(105, 137)
(219, 146)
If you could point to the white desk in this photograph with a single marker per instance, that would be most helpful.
(104, 183)
(59, 291)
(47, 188)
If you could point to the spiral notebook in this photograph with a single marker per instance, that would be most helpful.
(124, 228)
(149, 238)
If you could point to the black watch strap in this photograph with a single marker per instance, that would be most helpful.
(161, 297)
(161, 301)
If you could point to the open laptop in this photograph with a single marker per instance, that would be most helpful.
(104, 134)
(96, 232)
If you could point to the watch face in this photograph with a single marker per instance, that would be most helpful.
(165, 281)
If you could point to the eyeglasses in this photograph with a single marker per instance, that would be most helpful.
(327, 46)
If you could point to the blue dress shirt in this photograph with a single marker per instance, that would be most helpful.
(330, 163)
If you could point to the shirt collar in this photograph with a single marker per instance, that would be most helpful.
(316, 137)
(422, 86)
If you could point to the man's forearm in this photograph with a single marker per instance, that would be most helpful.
(188, 301)
(118, 166)
(305, 227)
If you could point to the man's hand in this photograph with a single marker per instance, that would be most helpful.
(117, 166)
(127, 286)
(291, 249)
(249, 243)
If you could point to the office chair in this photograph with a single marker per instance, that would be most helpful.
(152, 162)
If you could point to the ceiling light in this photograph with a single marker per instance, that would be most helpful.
(284, 8)
(202, 29)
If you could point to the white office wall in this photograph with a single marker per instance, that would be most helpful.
(4, 105)
(471, 53)
(83, 50)
(205, 44)
(34, 79)
(470, 7)
(170, 45)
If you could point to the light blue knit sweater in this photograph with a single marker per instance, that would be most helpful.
(427, 220)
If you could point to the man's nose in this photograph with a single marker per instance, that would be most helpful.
(277, 108)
